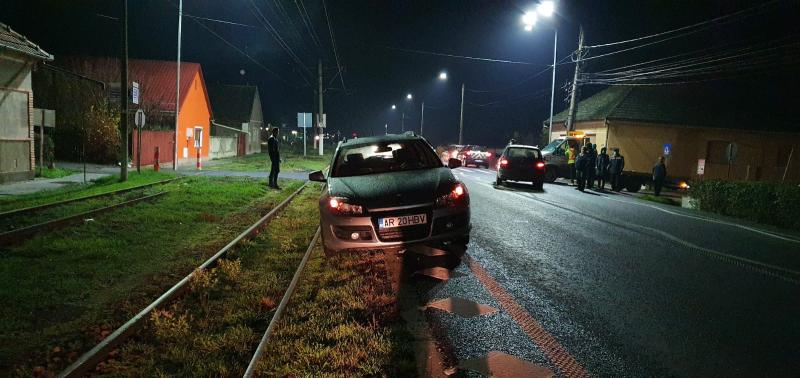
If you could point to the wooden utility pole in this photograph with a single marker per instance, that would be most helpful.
(123, 94)
(573, 96)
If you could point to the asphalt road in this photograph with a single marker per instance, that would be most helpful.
(624, 287)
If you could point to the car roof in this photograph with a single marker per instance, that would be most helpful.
(382, 138)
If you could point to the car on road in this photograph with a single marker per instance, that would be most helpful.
(391, 191)
(521, 163)
(474, 155)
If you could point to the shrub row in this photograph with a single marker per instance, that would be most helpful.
(763, 202)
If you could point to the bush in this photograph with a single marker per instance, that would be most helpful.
(763, 202)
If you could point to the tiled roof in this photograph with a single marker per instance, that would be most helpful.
(731, 106)
(156, 78)
(9, 39)
(232, 103)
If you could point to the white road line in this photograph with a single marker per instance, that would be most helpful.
(676, 239)
(481, 171)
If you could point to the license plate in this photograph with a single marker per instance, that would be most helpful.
(402, 221)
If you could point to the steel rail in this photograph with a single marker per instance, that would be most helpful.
(281, 308)
(13, 237)
(36, 208)
(89, 359)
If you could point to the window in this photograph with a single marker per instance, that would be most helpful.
(523, 153)
(382, 157)
(198, 137)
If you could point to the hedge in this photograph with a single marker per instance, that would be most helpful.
(763, 202)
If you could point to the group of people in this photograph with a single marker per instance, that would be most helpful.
(589, 167)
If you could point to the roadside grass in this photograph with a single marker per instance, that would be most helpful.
(214, 329)
(53, 172)
(61, 292)
(292, 162)
(101, 185)
(660, 199)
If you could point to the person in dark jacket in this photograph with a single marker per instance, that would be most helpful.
(592, 162)
(582, 168)
(274, 157)
(601, 169)
(615, 166)
(659, 174)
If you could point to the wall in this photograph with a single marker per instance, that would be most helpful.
(150, 140)
(256, 123)
(195, 111)
(222, 147)
(16, 119)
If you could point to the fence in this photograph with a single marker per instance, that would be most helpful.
(222, 147)
(150, 140)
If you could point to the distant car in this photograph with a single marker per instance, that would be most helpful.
(391, 191)
(521, 163)
(475, 155)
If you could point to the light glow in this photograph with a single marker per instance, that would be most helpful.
(334, 203)
(409, 96)
(394, 107)
(458, 191)
(546, 8)
(503, 162)
(529, 19)
(443, 75)
(540, 165)
(488, 154)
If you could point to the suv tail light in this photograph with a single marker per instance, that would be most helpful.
(503, 162)
(458, 196)
(540, 165)
(339, 206)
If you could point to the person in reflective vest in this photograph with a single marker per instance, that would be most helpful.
(571, 154)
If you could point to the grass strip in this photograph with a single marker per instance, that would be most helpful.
(53, 172)
(101, 185)
(61, 291)
(292, 162)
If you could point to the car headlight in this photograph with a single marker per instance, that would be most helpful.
(457, 196)
(340, 206)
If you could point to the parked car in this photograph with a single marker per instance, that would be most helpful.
(391, 191)
(476, 156)
(521, 163)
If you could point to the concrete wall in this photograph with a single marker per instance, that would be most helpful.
(222, 147)
(17, 160)
(255, 124)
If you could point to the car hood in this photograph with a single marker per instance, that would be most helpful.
(393, 188)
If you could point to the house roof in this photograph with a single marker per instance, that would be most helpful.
(9, 39)
(156, 78)
(232, 103)
(720, 105)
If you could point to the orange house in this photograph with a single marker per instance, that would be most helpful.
(157, 92)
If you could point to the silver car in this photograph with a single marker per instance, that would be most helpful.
(391, 191)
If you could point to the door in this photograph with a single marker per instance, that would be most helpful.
(241, 145)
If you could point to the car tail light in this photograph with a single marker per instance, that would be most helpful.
(503, 162)
(540, 165)
(458, 196)
(469, 152)
(454, 154)
(339, 206)
(488, 154)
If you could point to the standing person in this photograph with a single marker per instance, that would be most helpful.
(274, 157)
(602, 168)
(572, 153)
(592, 162)
(580, 168)
(659, 174)
(512, 141)
(615, 166)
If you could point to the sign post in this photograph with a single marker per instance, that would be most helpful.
(139, 120)
(322, 132)
(730, 153)
(304, 122)
(135, 93)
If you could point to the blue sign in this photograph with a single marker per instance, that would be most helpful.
(304, 120)
(667, 149)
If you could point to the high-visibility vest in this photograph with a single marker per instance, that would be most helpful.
(570, 157)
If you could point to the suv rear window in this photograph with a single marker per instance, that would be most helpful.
(522, 152)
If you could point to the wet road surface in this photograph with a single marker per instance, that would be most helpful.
(607, 285)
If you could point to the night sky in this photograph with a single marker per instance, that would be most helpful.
(501, 98)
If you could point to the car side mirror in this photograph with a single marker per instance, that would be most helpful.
(317, 176)
(453, 163)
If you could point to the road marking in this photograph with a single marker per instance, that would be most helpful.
(753, 265)
(766, 233)
(482, 171)
(559, 356)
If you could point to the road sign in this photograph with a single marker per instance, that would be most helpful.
(135, 93)
(730, 151)
(667, 149)
(701, 166)
(304, 120)
(324, 122)
(139, 119)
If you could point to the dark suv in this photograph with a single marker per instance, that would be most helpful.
(521, 163)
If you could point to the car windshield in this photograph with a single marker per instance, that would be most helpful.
(552, 146)
(522, 152)
(382, 157)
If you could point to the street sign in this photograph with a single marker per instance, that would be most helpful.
(135, 93)
(730, 151)
(324, 122)
(139, 119)
(701, 166)
(304, 120)
(667, 149)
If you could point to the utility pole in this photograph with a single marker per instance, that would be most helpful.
(321, 112)
(403, 122)
(552, 88)
(461, 118)
(178, 87)
(573, 96)
(123, 94)
(421, 118)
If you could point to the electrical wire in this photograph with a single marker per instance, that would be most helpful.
(301, 8)
(463, 56)
(333, 43)
(281, 42)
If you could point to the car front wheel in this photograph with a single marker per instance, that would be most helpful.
(499, 181)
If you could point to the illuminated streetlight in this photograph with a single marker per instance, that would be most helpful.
(394, 107)
(442, 75)
(409, 96)
(546, 8)
(529, 19)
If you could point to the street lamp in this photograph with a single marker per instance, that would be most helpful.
(394, 107)
(442, 75)
(546, 9)
(409, 96)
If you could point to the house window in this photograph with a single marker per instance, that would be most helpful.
(715, 152)
(198, 137)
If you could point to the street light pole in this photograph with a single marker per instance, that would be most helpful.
(553, 87)
(461, 118)
(178, 87)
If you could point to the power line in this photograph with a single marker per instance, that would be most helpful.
(220, 21)
(333, 42)
(301, 8)
(464, 57)
(268, 26)
(519, 82)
